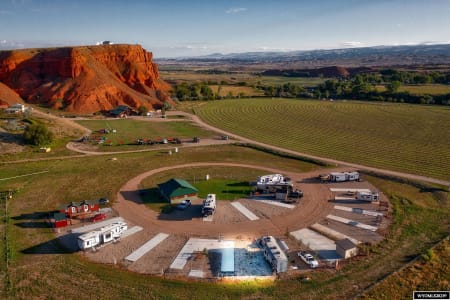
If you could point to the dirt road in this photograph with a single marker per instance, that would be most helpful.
(313, 206)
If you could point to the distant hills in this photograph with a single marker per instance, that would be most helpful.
(351, 57)
(83, 79)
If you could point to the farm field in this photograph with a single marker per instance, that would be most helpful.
(236, 77)
(225, 90)
(407, 138)
(422, 89)
(129, 130)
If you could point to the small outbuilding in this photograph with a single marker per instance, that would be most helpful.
(346, 248)
(176, 190)
(76, 209)
(59, 220)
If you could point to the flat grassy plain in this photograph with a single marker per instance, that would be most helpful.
(129, 130)
(401, 137)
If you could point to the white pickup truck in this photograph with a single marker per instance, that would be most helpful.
(308, 259)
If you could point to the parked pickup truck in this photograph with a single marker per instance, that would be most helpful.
(308, 259)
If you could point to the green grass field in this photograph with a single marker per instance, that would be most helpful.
(407, 138)
(129, 130)
(422, 89)
(227, 183)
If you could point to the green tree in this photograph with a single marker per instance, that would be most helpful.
(393, 86)
(38, 134)
(143, 110)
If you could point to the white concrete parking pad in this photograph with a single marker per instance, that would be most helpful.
(152, 243)
(131, 231)
(277, 203)
(325, 247)
(243, 210)
(358, 211)
(349, 190)
(194, 244)
(352, 223)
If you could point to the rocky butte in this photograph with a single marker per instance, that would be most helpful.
(84, 79)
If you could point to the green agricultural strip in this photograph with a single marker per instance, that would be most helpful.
(407, 138)
(129, 130)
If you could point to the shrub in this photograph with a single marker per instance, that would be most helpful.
(38, 135)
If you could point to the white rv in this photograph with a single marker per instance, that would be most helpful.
(274, 254)
(209, 205)
(103, 235)
(367, 196)
(267, 181)
(344, 176)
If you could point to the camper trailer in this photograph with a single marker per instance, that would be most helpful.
(269, 181)
(274, 254)
(367, 196)
(342, 176)
(209, 205)
(103, 235)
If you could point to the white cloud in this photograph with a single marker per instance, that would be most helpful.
(352, 44)
(235, 10)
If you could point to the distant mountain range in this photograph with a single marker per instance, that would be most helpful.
(367, 56)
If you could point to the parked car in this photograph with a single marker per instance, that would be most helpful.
(184, 204)
(308, 259)
(103, 201)
(98, 217)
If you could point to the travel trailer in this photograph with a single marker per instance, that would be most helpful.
(101, 236)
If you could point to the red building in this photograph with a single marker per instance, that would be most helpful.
(59, 220)
(75, 209)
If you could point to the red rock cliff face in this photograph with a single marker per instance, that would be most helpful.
(84, 79)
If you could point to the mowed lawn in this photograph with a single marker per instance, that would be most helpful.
(129, 130)
(402, 137)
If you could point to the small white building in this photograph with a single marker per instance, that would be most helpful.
(16, 108)
(346, 248)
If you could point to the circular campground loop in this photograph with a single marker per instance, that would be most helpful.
(313, 206)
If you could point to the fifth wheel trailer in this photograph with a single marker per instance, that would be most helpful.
(103, 235)
(343, 176)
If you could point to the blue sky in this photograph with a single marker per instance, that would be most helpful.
(183, 28)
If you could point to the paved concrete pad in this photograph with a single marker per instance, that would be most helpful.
(352, 223)
(196, 273)
(349, 190)
(131, 231)
(152, 243)
(358, 211)
(277, 203)
(243, 210)
(194, 244)
(324, 247)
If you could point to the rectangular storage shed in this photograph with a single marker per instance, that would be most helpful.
(346, 248)
(176, 190)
